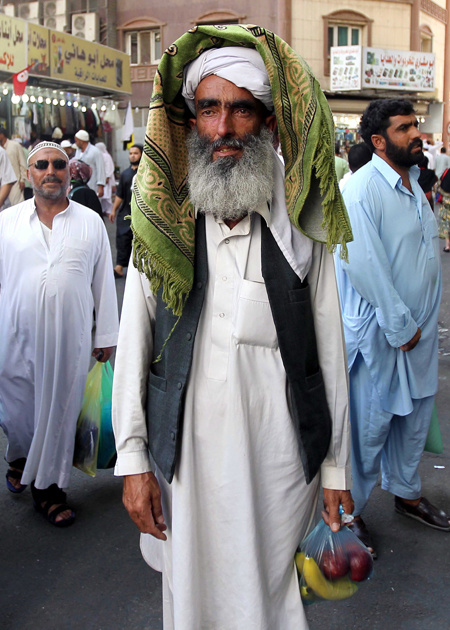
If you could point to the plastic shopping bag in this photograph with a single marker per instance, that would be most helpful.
(94, 440)
(434, 438)
(332, 565)
(106, 456)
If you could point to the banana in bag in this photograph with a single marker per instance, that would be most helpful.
(331, 565)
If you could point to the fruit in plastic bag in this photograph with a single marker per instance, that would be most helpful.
(331, 565)
(326, 589)
(334, 564)
(361, 563)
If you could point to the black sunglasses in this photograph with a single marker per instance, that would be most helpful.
(42, 165)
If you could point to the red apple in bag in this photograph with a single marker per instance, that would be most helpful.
(361, 563)
(334, 564)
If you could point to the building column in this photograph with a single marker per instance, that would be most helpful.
(415, 25)
(446, 95)
(284, 10)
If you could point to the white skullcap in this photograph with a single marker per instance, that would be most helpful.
(65, 144)
(242, 66)
(57, 133)
(45, 145)
(82, 135)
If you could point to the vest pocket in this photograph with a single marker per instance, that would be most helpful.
(254, 325)
(157, 382)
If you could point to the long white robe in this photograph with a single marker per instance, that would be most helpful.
(47, 298)
(238, 505)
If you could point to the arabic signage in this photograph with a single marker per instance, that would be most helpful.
(359, 67)
(13, 50)
(399, 70)
(38, 50)
(345, 72)
(78, 61)
(61, 56)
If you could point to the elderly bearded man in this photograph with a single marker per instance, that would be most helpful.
(55, 268)
(238, 425)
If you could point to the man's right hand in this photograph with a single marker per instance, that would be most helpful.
(112, 216)
(412, 343)
(142, 499)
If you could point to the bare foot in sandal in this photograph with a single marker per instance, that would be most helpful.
(14, 475)
(51, 503)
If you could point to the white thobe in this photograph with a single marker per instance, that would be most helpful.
(7, 175)
(47, 296)
(93, 156)
(19, 164)
(238, 505)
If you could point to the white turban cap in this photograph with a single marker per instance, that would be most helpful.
(46, 145)
(242, 66)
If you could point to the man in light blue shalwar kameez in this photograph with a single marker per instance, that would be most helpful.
(390, 292)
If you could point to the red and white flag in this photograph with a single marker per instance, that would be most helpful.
(20, 80)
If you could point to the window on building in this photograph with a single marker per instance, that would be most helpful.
(345, 28)
(343, 36)
(426, 39)
(219, 17)
(144, 47)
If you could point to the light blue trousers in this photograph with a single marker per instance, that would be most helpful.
(381, 440)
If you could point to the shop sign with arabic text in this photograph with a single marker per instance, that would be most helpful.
(13, 50)
(360, 67)
(78, 61)
(38, 50)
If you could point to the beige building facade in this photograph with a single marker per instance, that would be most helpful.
(400, 25)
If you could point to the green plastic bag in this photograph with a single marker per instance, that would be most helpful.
(434, 438)
(94, 439)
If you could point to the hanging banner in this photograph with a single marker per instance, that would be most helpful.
(398, 70)
(13, 49)
(345, 70)
(78, 61)
(38, 50)
(360, 67)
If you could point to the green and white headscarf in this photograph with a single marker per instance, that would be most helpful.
(163, 219)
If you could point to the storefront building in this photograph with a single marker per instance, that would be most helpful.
(394, 32)
(72, 83)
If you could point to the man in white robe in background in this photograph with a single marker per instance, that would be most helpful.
(87, 152)
(55, 269)
(7, 179)
(225, 530)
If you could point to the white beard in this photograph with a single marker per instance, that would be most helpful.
(231, 188)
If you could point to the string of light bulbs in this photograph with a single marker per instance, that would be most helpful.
(59, 97)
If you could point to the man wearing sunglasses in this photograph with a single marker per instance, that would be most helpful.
(55, 269)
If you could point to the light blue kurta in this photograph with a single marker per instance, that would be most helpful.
(391, 284)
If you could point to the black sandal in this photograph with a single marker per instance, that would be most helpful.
(44, 500)
(19, 465)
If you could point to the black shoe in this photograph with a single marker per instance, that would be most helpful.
(425, 513)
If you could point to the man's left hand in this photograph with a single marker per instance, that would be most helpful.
(332, 499)
(99, 191)
(103, 354)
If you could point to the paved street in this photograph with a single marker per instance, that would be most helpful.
(92, 577)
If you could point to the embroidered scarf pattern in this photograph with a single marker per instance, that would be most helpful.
(163, 221)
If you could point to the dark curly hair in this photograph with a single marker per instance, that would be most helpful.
(375, 119)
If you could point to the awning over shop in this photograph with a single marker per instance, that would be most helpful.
(59, 60)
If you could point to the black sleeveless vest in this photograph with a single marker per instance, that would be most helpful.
(289, 300)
